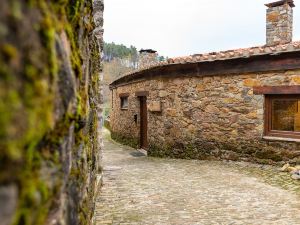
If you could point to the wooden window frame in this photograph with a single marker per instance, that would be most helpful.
(268, 117)
(112, 98)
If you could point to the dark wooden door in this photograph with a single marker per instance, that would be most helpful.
(144, 123)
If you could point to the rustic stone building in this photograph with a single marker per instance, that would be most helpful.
(240, 104)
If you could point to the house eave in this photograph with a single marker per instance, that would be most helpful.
(277, 61)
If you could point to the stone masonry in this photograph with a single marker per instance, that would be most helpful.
(210, 117)
(280, 22)
(50, 111)
(147, 58)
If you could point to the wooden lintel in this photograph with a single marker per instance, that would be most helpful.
(273, 90)
(141, 93)
(124, 95)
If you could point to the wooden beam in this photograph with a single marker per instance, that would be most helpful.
(141, 93)
(124, 95)
(273, 90)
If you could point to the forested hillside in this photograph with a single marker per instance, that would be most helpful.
(129, 55)
(119, 59)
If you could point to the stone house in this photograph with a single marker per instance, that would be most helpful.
(241, 104)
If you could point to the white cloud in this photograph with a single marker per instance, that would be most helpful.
(177, 27)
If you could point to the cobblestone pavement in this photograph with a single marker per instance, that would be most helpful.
(142, 190)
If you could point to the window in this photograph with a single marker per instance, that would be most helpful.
(124, 102)
(282, 116)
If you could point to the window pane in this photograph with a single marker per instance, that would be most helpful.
(124, 102)
(285, 115)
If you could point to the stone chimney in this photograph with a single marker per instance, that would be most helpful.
(147, 57)
(280, 22)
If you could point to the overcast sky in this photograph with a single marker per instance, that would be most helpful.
(185, 27)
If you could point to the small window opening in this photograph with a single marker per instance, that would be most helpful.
(124, 102)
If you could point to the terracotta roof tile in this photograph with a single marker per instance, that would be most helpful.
(226, 55)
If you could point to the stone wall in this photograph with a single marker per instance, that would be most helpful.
(209, 117)
(49, 110)
(279, 24)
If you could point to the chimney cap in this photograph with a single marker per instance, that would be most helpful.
(147, 51)
(279, 3)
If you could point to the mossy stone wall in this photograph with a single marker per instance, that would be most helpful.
(49, 110)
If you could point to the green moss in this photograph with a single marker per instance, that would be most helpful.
(268, 155)
(180, 151)
(82, 97)
(76, 59)
(130, 141)
(73, 11)
(79, 105)
(35, 191)
(159, 152)
(11, 103)
(34, 194)
(107, 125)
(28, 101)
(16, 10)
(205, 151)
(9, 51)
(48, 32)
(29, 139)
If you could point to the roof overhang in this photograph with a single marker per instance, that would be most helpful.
(250, 64)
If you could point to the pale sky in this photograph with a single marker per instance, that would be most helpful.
(185, 27)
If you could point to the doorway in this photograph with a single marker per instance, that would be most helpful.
(144, 123)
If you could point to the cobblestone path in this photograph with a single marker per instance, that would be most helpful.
(142, 190)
